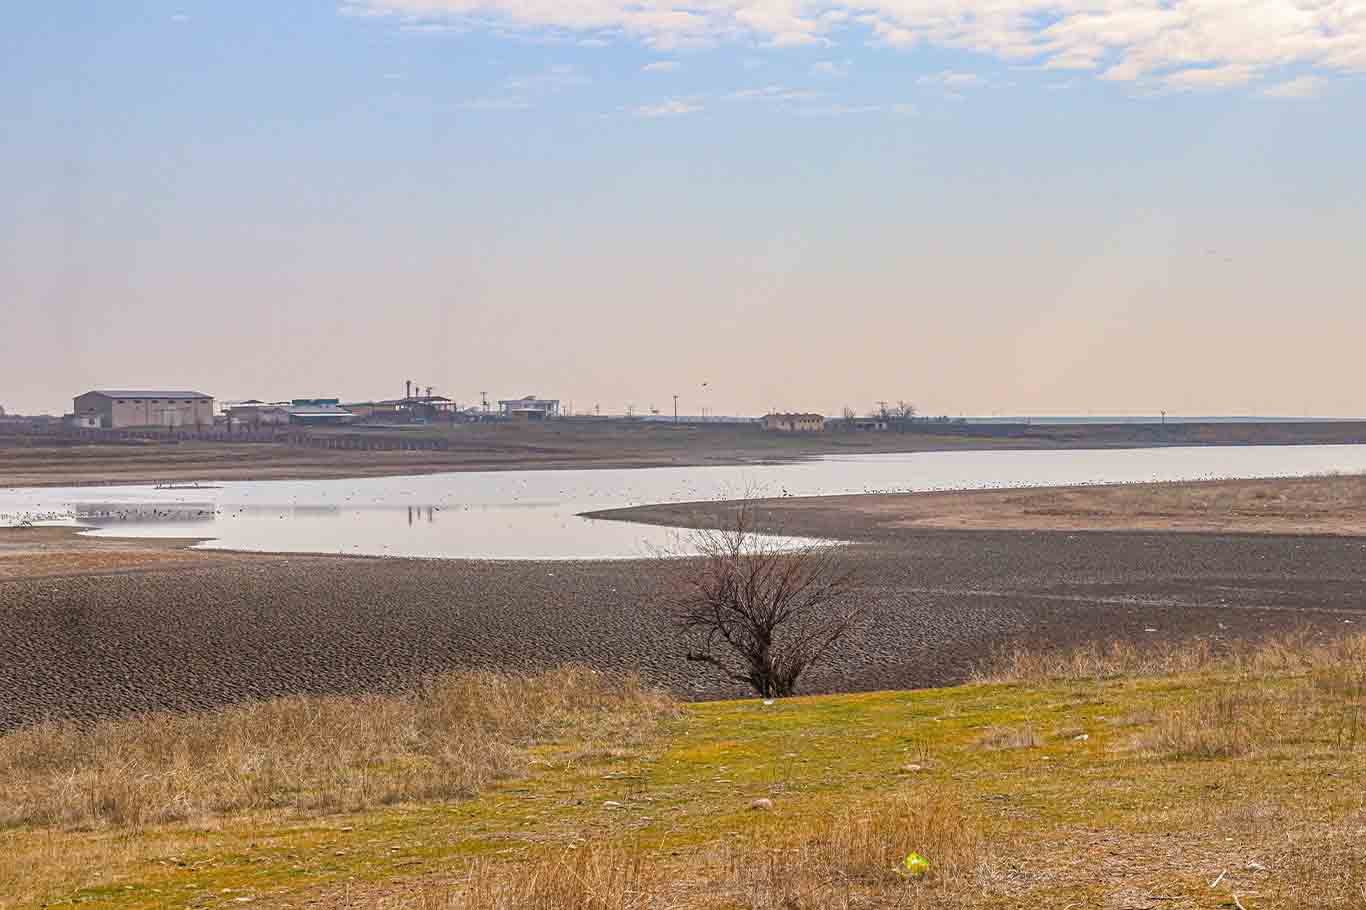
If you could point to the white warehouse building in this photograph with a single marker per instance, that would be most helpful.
(125, 408)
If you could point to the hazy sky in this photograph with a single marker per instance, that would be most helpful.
(1021, 206)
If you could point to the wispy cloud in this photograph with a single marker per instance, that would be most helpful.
(495, 104)
(840, 110)
(1209, 78)
(831, 68)
(1300, 87)
(433, 28)
(772, 93)
(661, 66)
(1173, 43)
(674, 107)
(952, 79)
(846, 110)
(551, 79)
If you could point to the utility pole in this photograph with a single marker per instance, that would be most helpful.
(675, 409)
(484, 397)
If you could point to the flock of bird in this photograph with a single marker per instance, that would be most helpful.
(31, 519)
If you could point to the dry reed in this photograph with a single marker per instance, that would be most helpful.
(1021, 737)
(1291, 653)
(851, 857)
(449, 737)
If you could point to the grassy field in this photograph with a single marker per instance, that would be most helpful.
(1101, 778)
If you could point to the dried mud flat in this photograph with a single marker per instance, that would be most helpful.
(204, 630)
(39, 460)
(1333, 504)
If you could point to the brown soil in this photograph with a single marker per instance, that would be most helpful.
(141, 632)
(1311, 505)
(32, 553)
(37, 461)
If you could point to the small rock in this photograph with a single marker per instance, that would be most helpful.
(768, 701)
(611, 804)
(1081, 739)
(911, 769)
(762, 805)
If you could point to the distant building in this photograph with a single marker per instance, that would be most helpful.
(530, 408)
(794, 423)
(299, 412)
(413, 409)
(384, 411)
(255, 414)
(316, 412)
(120, 408)
(81, 421)
(861, 424)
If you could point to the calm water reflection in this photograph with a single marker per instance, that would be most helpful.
(536, 514)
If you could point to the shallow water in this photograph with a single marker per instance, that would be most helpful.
(536, 514)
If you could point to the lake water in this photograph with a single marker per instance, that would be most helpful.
(536, 514)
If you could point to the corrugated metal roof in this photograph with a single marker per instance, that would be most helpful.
(318, 411)
(145, 393)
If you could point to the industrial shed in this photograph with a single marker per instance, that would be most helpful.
(117, 409)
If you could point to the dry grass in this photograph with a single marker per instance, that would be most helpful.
(1292, 653)
(1244, 772)
(449, 738)
(847, 859)
(1095, 661)
(1330, 504)
(1227, 725)
(1021, 737)
(1285, 690)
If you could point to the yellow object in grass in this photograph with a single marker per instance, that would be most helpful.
(914, 866)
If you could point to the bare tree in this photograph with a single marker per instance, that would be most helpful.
(848, 413)
(905, 410)
(762, 611)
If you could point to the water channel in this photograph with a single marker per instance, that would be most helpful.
(538, 514)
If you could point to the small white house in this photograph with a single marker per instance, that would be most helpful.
(794, 423)
(530, 408)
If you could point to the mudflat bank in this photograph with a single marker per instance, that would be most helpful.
(187, 630)
(1298, 506)
(55, 461)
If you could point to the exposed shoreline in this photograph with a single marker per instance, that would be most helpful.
(1313, 506)
(572, 445)
(100, 627)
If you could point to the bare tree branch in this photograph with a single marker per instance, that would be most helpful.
(763, 611)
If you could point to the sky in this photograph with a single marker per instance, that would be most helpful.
(980, 206)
